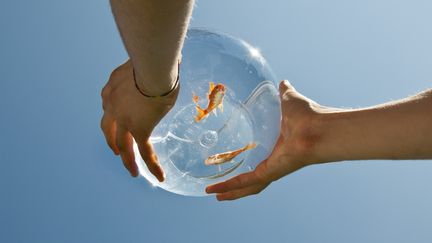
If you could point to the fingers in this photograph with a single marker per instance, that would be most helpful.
(244, 192)
(241, 181)
(108, 126)
(150, 158)
(125, 146)
(247, 183)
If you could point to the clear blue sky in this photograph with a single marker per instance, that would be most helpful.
(60, 183)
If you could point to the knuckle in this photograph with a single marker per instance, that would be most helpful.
(256, 191)
(125, 163)
(238, 180)
(261, 174)
(285, 84)
(282, 84)
(126, 121)
(150, 167)
(121, 147)
(115, 72)
(104, 91)
(149, 160)
(144, 154)
(102, 124)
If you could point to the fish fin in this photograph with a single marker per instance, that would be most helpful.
(220, 106)
(211, 87)
(215, 112)
(250, 146)
(195, 98)
(201, 114)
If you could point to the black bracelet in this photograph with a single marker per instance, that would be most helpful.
(164, 94)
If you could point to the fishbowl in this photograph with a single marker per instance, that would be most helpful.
(226, 119)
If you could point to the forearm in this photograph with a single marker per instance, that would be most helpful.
(153, 32)
(397, 130)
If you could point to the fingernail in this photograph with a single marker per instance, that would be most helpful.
(133, 173)
(113, 150)
(159, 176)
(208, 189)
(161, 173)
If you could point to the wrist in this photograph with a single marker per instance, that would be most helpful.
(344, 135)
(154, 85)
(160, 85)
(324, 137)
(305, 139)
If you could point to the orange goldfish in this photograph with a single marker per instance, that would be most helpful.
(215, 97)
(227, 156)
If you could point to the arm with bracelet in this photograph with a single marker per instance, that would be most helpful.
(141, 91)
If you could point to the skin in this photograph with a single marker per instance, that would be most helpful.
(128, 114)
(153, 32)
(314, 134)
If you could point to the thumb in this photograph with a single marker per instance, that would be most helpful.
(285, 86)
(269, 167)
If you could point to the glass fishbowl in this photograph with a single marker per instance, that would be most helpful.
(226, 119)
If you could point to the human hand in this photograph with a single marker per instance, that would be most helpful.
(128, 114)
(294, 148)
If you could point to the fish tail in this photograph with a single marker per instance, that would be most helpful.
(250, 146)
(201, 113)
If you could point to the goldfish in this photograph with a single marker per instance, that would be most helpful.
(215, 97)
(227, 156)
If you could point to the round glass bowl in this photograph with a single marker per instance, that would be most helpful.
(250, 115)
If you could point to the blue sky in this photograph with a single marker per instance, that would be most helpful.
(60, 183)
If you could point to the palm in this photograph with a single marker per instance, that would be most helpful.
(291, 152)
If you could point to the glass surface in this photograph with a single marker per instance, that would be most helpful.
(251, 115)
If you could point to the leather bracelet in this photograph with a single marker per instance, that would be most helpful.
(162, 95)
